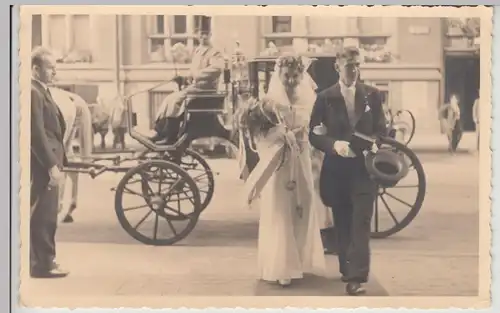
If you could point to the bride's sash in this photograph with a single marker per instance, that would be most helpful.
(280, 139)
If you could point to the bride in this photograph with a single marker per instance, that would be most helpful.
(289, 233)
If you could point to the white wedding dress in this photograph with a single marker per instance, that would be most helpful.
(289, 243)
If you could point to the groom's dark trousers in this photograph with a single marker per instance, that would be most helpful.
(345, 185)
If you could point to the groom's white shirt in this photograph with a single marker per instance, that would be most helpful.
(348, 92)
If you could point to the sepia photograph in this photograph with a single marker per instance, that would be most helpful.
(225, 156)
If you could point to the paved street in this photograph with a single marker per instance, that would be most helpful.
(436, 255)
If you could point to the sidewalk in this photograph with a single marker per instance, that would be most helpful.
(162, 272)
(438, 143)
(219, 258)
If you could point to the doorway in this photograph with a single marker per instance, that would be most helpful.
(462, 77)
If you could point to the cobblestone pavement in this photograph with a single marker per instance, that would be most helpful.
(436, 255)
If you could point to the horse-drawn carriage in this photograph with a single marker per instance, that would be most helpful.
(184, 180)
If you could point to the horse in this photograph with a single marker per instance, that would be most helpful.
(100, 120)
(106, 114)
(118, 121)
(77, 115)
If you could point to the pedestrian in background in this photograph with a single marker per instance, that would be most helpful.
(450, 122)
(476, 118)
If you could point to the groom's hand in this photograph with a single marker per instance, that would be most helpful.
(342, 148)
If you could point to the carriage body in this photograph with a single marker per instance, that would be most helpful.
(321, 71)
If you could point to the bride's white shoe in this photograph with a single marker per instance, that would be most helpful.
(285, 282)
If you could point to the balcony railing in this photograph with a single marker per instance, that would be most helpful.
(373, 48)
(74, 56)
(463, 34)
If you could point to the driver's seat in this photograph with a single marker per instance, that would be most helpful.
(211, 101)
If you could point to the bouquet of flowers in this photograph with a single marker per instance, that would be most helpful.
(260, 116)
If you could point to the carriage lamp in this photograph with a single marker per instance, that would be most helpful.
(227, 72)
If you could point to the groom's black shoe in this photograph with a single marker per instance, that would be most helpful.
(354, 289)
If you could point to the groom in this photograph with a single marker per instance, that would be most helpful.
(345, 185)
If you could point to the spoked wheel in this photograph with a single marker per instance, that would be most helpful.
(198, 169)
(404, 123)
(396, 207)
(157, 203)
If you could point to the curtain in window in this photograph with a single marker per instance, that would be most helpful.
(281, 24)
(180, 24)
(81, 32)
(57, 31)
(36, 31)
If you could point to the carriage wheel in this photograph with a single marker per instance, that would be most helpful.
(198, 168)
(163, 209)
(405, 123)
(406, 197)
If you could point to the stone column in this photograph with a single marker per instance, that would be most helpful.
(352, 39)
(390, 27)
(45, 30)
(68, 18)
(93, 38)
(190, 31)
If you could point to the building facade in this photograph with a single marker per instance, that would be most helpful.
(409, 59)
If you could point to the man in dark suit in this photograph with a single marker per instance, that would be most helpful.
(345, 185)
(47, 159)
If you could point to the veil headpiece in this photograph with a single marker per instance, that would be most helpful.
(305, 89)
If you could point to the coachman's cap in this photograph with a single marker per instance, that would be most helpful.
(349, 55)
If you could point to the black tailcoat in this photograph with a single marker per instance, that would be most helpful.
(330, 110)
(345, 185)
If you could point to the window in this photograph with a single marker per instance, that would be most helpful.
(168, 31)
(36, 31)
(372, 40)
(374, 49)
(57, 34)
(81, 32)
(69, 36)
(180, 24)
(313, 34)
(278, 31)
(282, 24)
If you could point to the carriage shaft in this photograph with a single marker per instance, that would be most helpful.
(93, 169)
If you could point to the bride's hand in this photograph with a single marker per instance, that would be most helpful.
(269, 105)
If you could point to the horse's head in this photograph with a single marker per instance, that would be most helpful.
(109, 111)
(99, 112)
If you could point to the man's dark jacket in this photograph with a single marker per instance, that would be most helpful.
(330, 111)
(47, 132)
